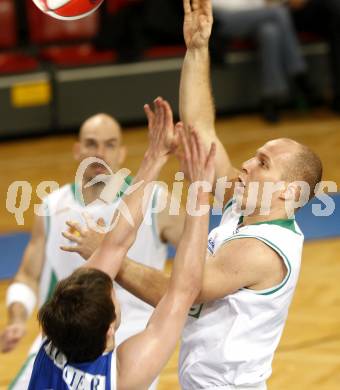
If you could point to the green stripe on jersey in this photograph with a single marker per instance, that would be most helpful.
(288, 223)
(53, 283)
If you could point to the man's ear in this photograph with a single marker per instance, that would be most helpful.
(289, 193)
(122, 154)
(76, 151)
(111, 331)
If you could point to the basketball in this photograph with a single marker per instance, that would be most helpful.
(68, 9)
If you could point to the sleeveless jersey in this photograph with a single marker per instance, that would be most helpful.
(52, 371)
(64, 205)
(231, 341)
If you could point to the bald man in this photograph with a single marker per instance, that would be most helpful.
(44, 264)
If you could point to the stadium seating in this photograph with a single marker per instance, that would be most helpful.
(66, 43)
(12, 61)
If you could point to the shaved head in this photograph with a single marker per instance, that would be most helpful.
(302, 164)
(100, 136)
(101, 122)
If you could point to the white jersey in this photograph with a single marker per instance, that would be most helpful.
(231, 341)
(64, 205)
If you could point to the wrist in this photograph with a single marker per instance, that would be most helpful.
(20, 300)
(201, 53)
(203, 198)
(153, 161)
(17, 314)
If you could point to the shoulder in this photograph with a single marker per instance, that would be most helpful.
(247, 253)
(250, 260)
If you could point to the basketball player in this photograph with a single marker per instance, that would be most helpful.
(44, 264)
(80, 319)
(253, 259)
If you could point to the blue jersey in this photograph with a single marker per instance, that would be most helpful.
(51, 371)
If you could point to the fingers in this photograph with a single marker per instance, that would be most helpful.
(207, 9)
(195, 5)
(200, 147)
(187, 7)
(210, 162)
(75, 226)
(194, 146)
(186, 149)
(72, 237)
(167, 115)
(66, 248)
(150, 115)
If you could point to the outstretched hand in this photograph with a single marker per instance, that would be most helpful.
(198, 20)
(163, 138)
(84, 240)
(199, 164)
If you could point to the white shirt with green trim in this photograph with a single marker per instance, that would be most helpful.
(64, 205)
(231, 341)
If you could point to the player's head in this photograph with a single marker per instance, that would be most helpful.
(100, 136)
(80, 318)
(282, 162)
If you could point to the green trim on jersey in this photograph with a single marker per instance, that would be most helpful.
(53, 283)
(125, 186)
(288, 223)
(274, 289)
(228, 204)
(22, 370)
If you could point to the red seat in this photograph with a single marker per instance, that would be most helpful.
(72, 37)
(8, 34)
(11, 61)
(17, 63)
(165, 52)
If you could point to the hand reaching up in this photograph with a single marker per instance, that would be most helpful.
(198, 20)
(199, 164)
(163, 138)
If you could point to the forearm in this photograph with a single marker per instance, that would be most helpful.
(125, 230)
(113, 249)
(21, 299)
(196, 104)
(147, 284)
(187, 273)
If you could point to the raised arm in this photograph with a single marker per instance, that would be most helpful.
(196, 102)
(113, 249)
(21, 294)
(137, 366)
